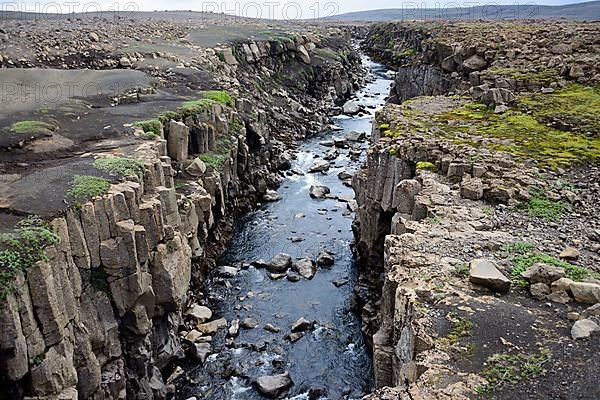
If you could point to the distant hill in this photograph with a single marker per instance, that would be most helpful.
(589, 11)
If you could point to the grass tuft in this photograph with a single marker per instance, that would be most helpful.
(509, 369)
(32, 127)
(85, 187)
(120, 166)
(542, 207)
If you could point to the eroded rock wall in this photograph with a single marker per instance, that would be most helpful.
(99, 319)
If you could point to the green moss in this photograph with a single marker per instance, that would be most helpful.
(21, 249)
(220, 96)
(526, 260)
(235, 127)
(152, 127)
(32, 127)
(85, 187)
(427, 166)
(195, 106)
(524, 132)
(216, 161)
(510, 369)
(542, 76)
(384, 127)
(406, 53)
(120, 166)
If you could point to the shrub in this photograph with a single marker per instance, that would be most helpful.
(86, 186)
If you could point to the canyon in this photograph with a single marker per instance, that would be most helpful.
(234, 209)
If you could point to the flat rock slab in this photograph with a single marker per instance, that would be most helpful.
(486, 273)
(274, 386)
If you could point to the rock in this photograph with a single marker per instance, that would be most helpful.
(234, 328)
(125, 62)
(302, 325)
(227, 272)
(303, 54)
(471, 188)
(475, 63)
(209, 328)
(586, 292)
(175, 375)
(249, 323)
(271, 196)
(319, 192)
(542, 273)
(272, 328)
(178, 140)
(344, 175)
(280, 263)
(539, 291)
(202, 351)
(331, 155)
(593, 311)
(274, 386)
(573, 316)
(94, 37)
(306, 268)
(570, 254)
(327, 143)
(319, 166)
(295, 336)
(485, 273)
(340, 282)
(325, 259)
(559, 297)
(561, 285)
(200, 313)
(350, 108)
(197, 168)
(293, 277)
(260, 264)
(356, 136)
(584, 328)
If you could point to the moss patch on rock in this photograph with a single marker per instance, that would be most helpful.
(32, 128)
(120, 166)
(85, 187)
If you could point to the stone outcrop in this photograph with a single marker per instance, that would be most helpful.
(100, 318)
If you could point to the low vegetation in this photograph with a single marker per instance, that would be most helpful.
(32, 127)
(508, 368)
(542, 207)
(424, 165)
(554, 129)
(461, 327)
(152, 128)
(120, 166)
(21, 249)
(216, 161)
(220, 96)
(85, 187)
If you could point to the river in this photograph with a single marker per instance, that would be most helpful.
(332, 358)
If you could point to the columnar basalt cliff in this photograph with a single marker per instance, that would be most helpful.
(477, 212)
(98, 315)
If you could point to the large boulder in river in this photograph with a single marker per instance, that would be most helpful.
(319, 166)
(306, 268)
(319, 192)
(274, 386)
(280, 263)
(351, 108)
(325, 259)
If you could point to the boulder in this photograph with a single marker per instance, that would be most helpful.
(570, 254)
(274, 386)
(319, 166)
(485, 273)
(351, 108)
(471, 188)
(319, 192)
(584, 328)
(197, 168)
(302, 325)
(586, 292)
(539, 291)
(271, 196)
(305, 267)
(202, 351)
(211, 327)
(356, 136)
(280, 263)
(200, 313)
(325, 259)
(475, 63)
(249, 323)
(234, 328)
(542, 273)
(303, 54)
(593, 311)
(227, 272)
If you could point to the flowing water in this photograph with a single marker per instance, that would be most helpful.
(333, 357)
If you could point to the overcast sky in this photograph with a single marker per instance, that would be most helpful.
(263, 8)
